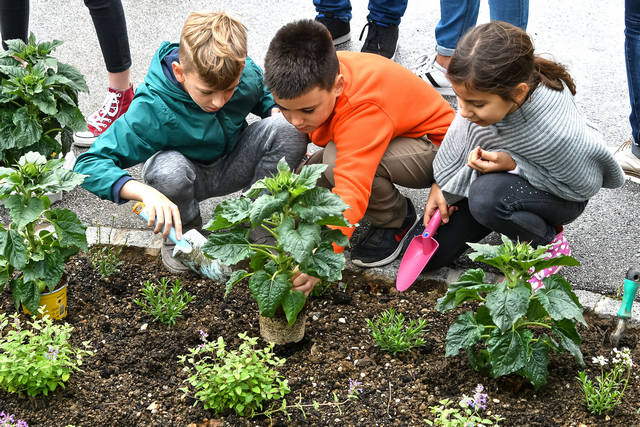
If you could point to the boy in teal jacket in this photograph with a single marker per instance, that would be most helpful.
(187, 122)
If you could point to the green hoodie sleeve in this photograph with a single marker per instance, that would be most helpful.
(266, 102)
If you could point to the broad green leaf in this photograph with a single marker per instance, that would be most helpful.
(473, 292)
(14, 248)
(559, 305)
(483, 251)
(479, 360)
(69, 230)
(483, 316)
(292, 303)
(507, 305)
(536, 311)
(46, 102)
(318, 204)
(70, 116)
(535, 370)
(559, 260)
(508, 351)
(569, 338)
(236, 276)
(25, 293)
(50, 269)
(468, 278)
(464, 333)
(21, 214)
(324, 263)
(335, 236)
(258, 261)
(59, 179)
(28, 129)
(229, 247)
(79, 84)
(307, 179)
(556, 281)
(231, 211)
(265, 206)
(268, 291)
(300, 241)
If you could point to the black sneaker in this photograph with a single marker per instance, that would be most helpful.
(381, 39)
(340, 30)
(380, 246)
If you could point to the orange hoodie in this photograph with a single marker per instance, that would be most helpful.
(381, 101)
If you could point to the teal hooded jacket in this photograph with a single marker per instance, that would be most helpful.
(163, 117)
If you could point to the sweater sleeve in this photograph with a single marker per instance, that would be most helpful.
(266, 102)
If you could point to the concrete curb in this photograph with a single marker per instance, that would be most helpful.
(601, 305)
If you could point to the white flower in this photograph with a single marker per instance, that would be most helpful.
(600, 360)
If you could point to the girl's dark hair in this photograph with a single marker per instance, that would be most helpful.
(497, 56)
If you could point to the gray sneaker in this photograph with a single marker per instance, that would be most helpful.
(628, 161)
(170, 263)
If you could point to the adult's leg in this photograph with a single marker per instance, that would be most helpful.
(386, 12)
(456, 17)
(508, 204)
(340, 9)
(632, 57)
(14, 20)
(111, 28)
(515, 12)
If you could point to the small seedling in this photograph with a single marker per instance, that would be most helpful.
(391, 334)
(468, 415)
(165, 305)
(609, 390)
(321, 289)
(105, 259)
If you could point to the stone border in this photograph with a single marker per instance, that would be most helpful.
(601, 305)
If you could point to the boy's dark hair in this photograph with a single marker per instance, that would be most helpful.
(497, 56)
(301, 56)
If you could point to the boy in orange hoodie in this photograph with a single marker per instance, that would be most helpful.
(380, 125)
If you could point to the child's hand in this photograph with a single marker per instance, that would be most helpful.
(303, 282)
(157, 205)
(490, 161)
(437, 201)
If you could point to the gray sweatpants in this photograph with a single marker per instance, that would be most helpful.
(261, 145)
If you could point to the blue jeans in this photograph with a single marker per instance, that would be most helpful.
(384, 11)
(632, 58)
(457, 16)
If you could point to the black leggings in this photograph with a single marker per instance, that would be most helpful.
(507, 204)
(108, 20)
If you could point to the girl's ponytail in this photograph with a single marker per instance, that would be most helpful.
(552, 74)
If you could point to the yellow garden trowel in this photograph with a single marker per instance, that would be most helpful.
(188, 251)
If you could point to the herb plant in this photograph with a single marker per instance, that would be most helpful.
(38, 101)
(297, 214)
(394, 336)
(241, 380)
(31, 260)
(165, 305)
(105, 259)
(10, 420)
(607, 393)
(37, 358)
(514, 328)
(470, 415)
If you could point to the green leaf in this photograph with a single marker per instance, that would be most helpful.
(468, 278)
(229, 212)
(508, 351)
(269, 291)
(236, 276)
(25, 293)
(319, 204)
(535, 370)
(292, 303)
(558, 260)
(569, 337)
(536, 311)
(70, 116)
(300, 241)
(69, 230)
(507, 305)
(559, 304)
(483, 316)
(46, 102)
(59, 179)
(21, 214)
(464, 333)
(50, 269)
(28, 129)
(556, 281)
(479, 360)
(324, 263)
(79, 84)
(14, 248)
(473, 292)
(308, 178)
(265, 206)
(229, 247)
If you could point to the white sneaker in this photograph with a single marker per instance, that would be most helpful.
(628, 161)
(434, 74)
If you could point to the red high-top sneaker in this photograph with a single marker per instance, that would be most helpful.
(115, 104)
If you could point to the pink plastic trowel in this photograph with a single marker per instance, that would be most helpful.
(418, 254)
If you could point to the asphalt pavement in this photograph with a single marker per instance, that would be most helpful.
(587, 36)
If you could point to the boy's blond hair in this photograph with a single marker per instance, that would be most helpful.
(214, 45)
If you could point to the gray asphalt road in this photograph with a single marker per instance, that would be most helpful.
(587, 36)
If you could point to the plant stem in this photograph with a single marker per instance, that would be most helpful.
(544, 325)
(53, 130)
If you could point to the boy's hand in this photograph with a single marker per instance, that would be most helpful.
(437, 201)
(490, 161)
(303, 282)
(157, 205)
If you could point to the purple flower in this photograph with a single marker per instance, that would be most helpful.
(52, 354)
(7, 420)
(354, 387)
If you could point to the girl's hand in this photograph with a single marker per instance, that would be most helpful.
(490, 161)
(303, 282)
(437, 201)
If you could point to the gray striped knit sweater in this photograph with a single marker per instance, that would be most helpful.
(555, 147)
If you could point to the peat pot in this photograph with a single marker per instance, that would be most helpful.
(55, 302)
(277, 330)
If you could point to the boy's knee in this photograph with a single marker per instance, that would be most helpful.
(169, 172)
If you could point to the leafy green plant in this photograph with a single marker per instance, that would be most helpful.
(607, 393)
(165, 305)
(105, 259)
(514, 328)
(38, 101)
(37, 357)
(33, 259)
(297, 214)
(391, 334)
(240, 380)
(469, 415)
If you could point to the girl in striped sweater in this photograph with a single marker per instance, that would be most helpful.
(519, 158)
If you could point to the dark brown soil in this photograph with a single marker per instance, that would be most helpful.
(135, 370)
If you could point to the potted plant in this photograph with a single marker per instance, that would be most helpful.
(38, 101)
(32, 255)
(297, 213)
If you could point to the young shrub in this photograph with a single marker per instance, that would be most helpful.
(241, 380)
(38, 101)
(514, 328)
(391, 334)
(30, 260)
(105, 259)
(470, 415)
(604, 396)
(165, 305)
(297, 214)
(37, 357)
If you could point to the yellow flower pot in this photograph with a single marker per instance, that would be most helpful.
(55, 303)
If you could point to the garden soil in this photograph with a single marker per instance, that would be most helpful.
(134, 377)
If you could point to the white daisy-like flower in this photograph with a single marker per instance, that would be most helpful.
(600, 360)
